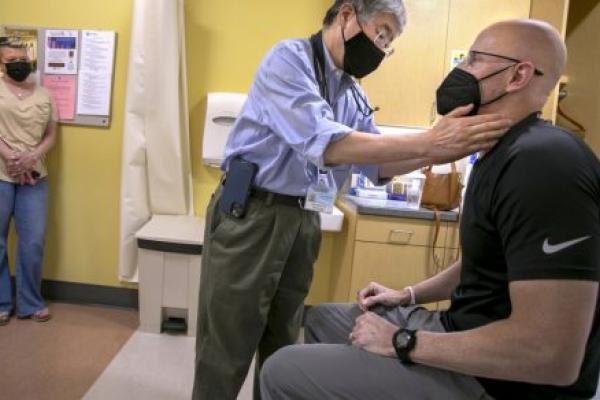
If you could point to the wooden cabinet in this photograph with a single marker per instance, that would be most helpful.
(469, 17)
(397, 231)
(554, 12)
(452, 236)
(395, 252)
(579, 22)
(394, 266)
(405, 84)
(451, 253)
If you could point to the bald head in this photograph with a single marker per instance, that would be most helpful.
(528, 40)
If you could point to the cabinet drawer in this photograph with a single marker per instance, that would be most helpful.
(453, 236)
(450, 256)
(399, 231)
(392, 266)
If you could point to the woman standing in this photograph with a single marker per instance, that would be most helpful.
(28, 120)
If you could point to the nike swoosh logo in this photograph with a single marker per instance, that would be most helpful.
(555, 248)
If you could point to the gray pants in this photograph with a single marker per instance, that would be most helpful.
(332, 369)
(256, 272)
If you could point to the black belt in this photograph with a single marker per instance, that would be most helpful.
(277, 198)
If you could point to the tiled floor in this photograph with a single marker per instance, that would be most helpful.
(61, 359)
(80, 341)
(157, 367)
(152, 366)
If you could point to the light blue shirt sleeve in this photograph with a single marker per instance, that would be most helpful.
(285, 125)
(292, 106)
(371, 171)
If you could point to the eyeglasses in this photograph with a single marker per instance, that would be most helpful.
(471, 58)
(383, 41)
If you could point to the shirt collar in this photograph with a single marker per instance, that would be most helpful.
(514, 132)
(336, 77)
(329, 65)
(519, 128)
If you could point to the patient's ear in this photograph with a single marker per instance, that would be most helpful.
(522, 75)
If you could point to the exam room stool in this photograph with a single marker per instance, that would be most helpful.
(169, 260)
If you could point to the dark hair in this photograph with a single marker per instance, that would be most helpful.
(333, 11)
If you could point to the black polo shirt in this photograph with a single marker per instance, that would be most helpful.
(531, 211)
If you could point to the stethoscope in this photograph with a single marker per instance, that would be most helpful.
(361, 102)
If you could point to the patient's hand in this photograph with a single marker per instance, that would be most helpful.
(375, 294)
(374, 334)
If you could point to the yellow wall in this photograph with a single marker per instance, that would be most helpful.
(583, 100)
(226, 40)
(83, 225)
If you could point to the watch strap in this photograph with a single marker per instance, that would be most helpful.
(403, 352)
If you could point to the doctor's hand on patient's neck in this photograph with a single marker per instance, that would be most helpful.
(454, 137)
(457, 135)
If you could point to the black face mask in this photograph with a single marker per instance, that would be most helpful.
(461, 88)
(18, 70)
(361, 55)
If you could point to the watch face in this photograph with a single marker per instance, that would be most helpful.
(402, 339)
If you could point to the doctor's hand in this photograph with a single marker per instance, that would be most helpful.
(375, 294)
(374, 334)
(458, 135)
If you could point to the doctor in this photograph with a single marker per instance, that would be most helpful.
(305, 124)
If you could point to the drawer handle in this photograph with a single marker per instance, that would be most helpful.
(408, 236)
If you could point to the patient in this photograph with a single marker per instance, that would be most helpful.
(523, 321)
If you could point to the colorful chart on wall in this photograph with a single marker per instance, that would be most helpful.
(75, 66)
(457, 57)
(61, 49)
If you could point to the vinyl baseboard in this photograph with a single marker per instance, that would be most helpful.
(83, 293)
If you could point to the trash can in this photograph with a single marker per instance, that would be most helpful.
(169, 259)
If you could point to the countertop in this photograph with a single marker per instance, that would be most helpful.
(392, 208)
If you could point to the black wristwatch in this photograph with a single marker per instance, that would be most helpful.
(404, 341)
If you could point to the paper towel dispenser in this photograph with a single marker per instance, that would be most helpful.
(222, 109)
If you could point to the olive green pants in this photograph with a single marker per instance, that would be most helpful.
(256, 272)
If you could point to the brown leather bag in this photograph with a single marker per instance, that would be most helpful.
(441, 191)
(438, 263)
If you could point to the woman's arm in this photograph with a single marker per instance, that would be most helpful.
(27, 160)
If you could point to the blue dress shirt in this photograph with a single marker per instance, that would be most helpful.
(285, 125)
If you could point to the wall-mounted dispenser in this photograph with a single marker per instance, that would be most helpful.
(222, 110)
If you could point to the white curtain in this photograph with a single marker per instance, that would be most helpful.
(156, 172)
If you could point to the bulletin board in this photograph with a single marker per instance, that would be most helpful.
(76, 66)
